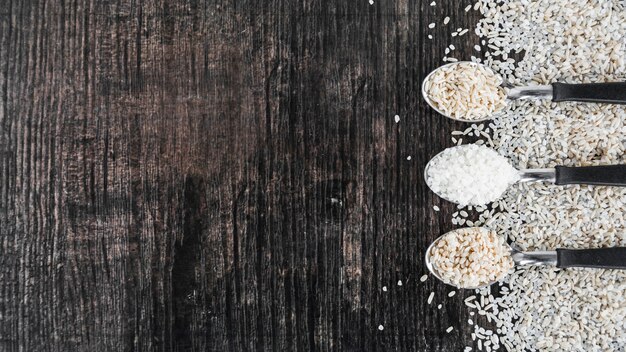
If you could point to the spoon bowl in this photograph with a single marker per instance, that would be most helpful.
(432, 105)
(482, 179)
(432, 268)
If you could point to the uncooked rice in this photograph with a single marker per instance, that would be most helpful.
(549, 309)
(471, 257)
(470, 174)
(465, 90)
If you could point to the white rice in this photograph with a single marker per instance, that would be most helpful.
(470, 174)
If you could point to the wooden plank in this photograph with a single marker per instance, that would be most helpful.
(221, 176)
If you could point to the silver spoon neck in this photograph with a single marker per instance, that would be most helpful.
(530, 92)
(534, 175)
(534, 258)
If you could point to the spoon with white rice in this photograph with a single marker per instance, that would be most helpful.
(472, 174)
(470, 92)
(476, 257)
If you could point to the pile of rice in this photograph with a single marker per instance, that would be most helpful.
(544, 308)
(470, 174)
(471, 257)
(466, 91)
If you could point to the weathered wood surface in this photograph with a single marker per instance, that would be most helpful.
(221, 175)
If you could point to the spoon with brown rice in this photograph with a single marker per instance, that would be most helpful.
(476, 257)
(471, 92)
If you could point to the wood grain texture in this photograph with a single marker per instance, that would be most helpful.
(221, 175)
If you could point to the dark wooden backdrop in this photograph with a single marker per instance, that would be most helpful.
(221, 175)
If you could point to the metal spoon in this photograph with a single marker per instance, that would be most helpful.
(603, 175)
(600, 258)
(610, 92)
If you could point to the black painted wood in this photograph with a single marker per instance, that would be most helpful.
(221, 175)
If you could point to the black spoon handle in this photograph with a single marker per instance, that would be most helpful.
(606, 175)
(605, 258)
(611, 92)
